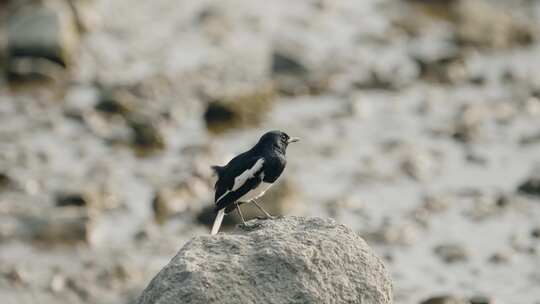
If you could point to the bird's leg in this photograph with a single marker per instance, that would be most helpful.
(244, 224)
(241, 215)
(268, 216)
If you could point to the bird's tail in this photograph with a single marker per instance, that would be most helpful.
(217, 221)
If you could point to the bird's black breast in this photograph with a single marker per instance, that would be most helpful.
(273, 167)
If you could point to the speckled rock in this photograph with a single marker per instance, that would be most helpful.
(287, 260)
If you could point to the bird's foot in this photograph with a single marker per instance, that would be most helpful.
(249, 227)
(270, 217)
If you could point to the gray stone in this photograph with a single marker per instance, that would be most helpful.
(175, 199)
(480, 299)
(531, 186)
(452, 253)
(445, 299)
(240, 107)
(64, 225)
(474, 20)
(292, 76)
(147, 137)
(287, 260)
(5, 180)
(284, 64)
(41, 40)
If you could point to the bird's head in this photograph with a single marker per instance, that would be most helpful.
(277, 139)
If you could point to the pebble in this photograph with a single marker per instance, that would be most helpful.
(451, 253)
(58, 283)
(444, 299)
(530, 186)
(481, 300)
(242, 108)
(501, 257)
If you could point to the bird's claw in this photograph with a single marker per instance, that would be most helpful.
(250, 227)
(271, 217)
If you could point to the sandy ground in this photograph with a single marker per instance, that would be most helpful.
(415, 138)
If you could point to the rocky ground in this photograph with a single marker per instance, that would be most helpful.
(420, 127)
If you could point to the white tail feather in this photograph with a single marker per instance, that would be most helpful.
(217, 221)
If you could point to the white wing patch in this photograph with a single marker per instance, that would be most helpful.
(241, 179)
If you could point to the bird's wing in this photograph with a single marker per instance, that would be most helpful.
(237, 180)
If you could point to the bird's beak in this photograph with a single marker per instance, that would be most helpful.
(293, 139)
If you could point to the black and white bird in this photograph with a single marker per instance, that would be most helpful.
(247, 176)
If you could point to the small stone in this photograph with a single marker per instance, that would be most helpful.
(284, 64)
(481, 300)
(531, 139)
(501, 257)
(58, 283)
(116, 101)
(476, 159)
(502, 200)
(451, 253)
(441, 69)
(393, 234)
(172, 200)
(80, 288)
(147, 137)
(41, 39)
(147, 232)
(445, 299)
(15, 276)
(436, 203)
(521, 243)
(69, 225)
(375, 81)
(292, 77)
(535, 232)
(468, 123)
(71, 199)
(531, 186)
(475, 27)
(238, 109)
(419, 165)
(86, 15)
(5, 180)
(79, 101)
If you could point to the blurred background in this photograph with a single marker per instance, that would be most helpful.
(420, 127)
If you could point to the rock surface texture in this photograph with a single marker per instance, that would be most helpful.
(286, 260)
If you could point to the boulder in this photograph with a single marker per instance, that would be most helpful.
(286, 260)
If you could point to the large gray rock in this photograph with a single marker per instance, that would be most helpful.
(286, 260)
